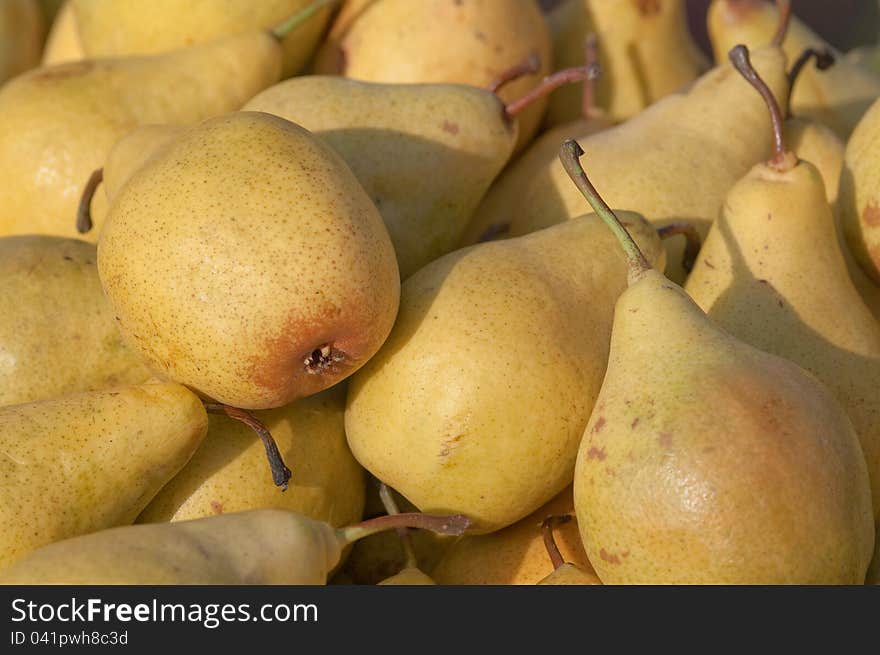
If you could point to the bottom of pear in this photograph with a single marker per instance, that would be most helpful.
(323, 359)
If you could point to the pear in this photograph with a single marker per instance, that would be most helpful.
(400, 41)
(63, 44)
(867, 56)
(58, 335)
(772, 273)
(706, 460)
(90, 461)
(246, 261)
(227, 472)
(496, 356)
(837, 97)
(120, 28)
(516, 555)
(564, 573)
(424, 153)
(58, 123)
(873, 576)
(256, 547)
(21, 37)
(716, 130)
(646, 46)
(410, 574)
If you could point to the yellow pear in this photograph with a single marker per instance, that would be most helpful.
(771, 272)
(228, 471)
(410, 574)
(873, 576)
(256, 547)
(58, 335)
(63, 43)
(246, 261)
(90, 461)
(121, 28)
(706, 460)
(713, 132)
(400, 41)
(646, 49)
(21, 37)
(564, 573)
(866, 56)
(516, 555)
(58, 123)
(496, 356)
(837, 97)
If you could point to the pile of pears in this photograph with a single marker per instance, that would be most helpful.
(436, 292)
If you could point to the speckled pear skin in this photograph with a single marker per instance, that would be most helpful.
(772, 273)
(409, 576)
(571, 574)
(424, 153)
(63, 43)
(477, 401)
(228, 472)
(247, 262)
(258, 547)
(57, 124)
(58, 335)
(90, 461)
(859, 199)
(708, 461)
(715, 131)
(21, 36)
(838, 96)
(405, 42)
(122, 28)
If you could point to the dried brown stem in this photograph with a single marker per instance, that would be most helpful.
(591, 61)
(454, 524)
(84, 211)
(549, 542)
(550, 84)
(693, 241)
(529, 66)
(784, 7)
(824, 60)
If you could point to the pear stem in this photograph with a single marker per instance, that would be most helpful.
(84, 211)
(784, 7)
(591, 61)
(454, 524)
(739, 57)
(549, 542)
(569, 155)
(280, 472)
(824, 60)
(693, 241)
(529, 66)
(281, 31)
(550, 84)
(391, 507)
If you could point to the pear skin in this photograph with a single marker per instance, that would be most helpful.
(22, 28)
(59, 123)
(571, 574)
(228, 471)
(424, 153)
(483, 335)
(63, 43)
(400, 41)
(122, 28)
(246, 261)
(408, 577)
(90, 461)
(60, 336)
(837, 97)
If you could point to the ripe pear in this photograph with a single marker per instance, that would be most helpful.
(496, 356)
(410, 577)
(21, 37)
(424, 153)
(771, 272)
(58, 123)
(873, 576)
(564, 573)
(228, 471)
(410, 574)
(400, 41)
(58, 335)
(647, 53)
(838, 97)
(867, 56)
(256, 547)
(714, 131)
(706, 460)
(90, 461)
(121, 28)
(859, 200)
(515, 555)
(63, 43)
(246, 261)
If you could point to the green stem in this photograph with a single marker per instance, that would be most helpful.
(570, 154)
(391, 507)
(84, 211)
(454, 524)
(300, 17)
(549, 542)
